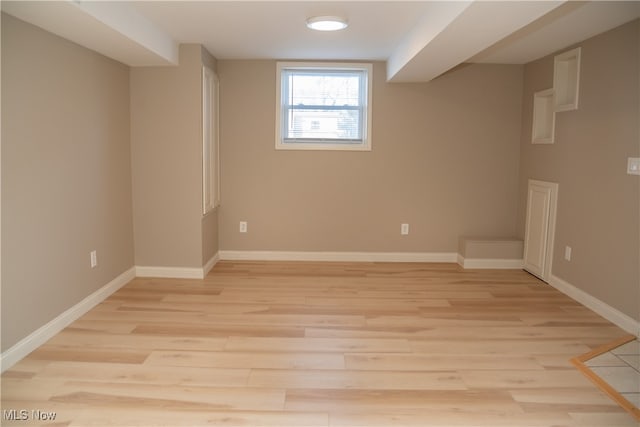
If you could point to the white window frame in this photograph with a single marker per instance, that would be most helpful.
(210, 141)
(363, 145)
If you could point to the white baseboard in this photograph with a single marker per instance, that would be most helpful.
(34, 340)
(489, 263)
(178, 272)
(603, 309)
(338, 256)
(210, 264)
(169, 272)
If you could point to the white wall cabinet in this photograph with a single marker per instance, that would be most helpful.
(544, 118)
(566, 80)
(562, 97)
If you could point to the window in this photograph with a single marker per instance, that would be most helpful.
(210, 162)
(323, 106)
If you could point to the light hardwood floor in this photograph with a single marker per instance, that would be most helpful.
(323, 344)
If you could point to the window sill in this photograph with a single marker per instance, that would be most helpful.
(320, 146)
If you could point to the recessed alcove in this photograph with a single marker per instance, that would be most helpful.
(543, 117)
(566, 79)
(562, 97)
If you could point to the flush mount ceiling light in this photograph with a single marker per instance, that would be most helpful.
(327, 23)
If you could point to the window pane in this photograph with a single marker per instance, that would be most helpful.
(324, 124)
(323, 105)
(329, 88)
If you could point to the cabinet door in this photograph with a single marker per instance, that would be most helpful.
(540, 224)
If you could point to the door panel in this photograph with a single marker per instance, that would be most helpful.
(540, 225)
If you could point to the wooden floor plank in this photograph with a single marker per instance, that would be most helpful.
(340, 345)
(250, 360)
(431, 362)
(440, 418)
(348, 379)
(148, 395)
(131, 374)
(75, 339)
(322, 344)
(489, 346)
(82, 354)
(199, 330)
(401, 401)
(534, 379)
(104, 417)
(575, 395)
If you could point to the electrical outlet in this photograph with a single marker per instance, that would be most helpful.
(94, 259)
(243, 226)
(567, 253)
(404, 229)
(633, 165)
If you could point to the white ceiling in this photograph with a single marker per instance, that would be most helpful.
(419, 39)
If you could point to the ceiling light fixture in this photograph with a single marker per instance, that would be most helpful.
(327, 23)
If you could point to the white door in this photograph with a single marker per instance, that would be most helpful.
(540, 228)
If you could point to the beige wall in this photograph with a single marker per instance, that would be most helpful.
(66, 181)
(166, 140)
(445, 160)
(598, 203)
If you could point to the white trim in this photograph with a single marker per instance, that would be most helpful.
(491, 263)
(178, 272)
(338, 256)
(169, 272)
(603, 309)
(210, 141)
(41, 335)
(210, 264)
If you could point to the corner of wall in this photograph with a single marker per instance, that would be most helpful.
(32, 341)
